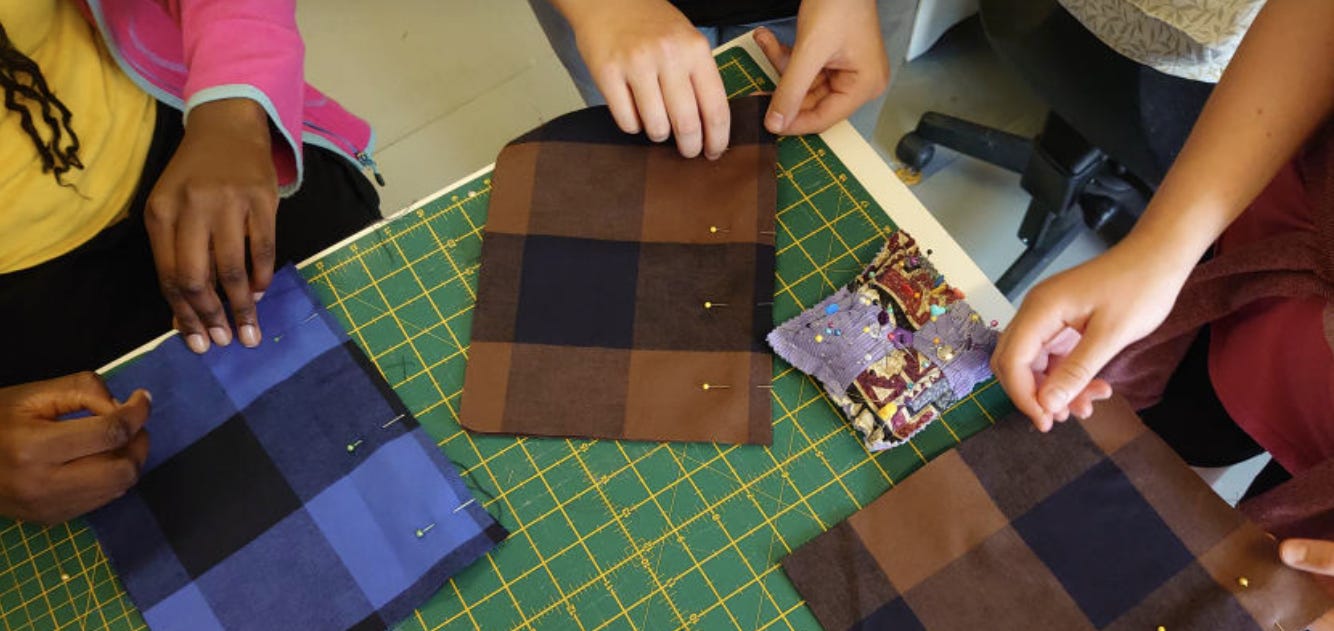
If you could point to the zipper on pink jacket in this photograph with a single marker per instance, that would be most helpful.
(363, 157)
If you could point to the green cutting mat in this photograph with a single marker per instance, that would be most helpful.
(605, 534)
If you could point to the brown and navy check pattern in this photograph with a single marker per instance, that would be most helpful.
(1096, 525)
(600, 251)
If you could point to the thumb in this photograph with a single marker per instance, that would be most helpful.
(803, 67)
(136, 409)
(1310, 555)
(1072, 373)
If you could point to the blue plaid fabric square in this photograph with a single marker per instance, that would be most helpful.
(286, 486)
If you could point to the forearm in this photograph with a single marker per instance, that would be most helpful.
(1278, 89)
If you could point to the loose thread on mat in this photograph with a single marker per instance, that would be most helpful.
(476, 488)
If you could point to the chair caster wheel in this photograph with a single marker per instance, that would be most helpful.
(914, 151)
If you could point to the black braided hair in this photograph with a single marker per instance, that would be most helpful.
(23, 83)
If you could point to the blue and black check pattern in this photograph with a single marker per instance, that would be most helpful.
(285, 486)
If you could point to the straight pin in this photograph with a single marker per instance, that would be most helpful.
(421, 532)
(716, 230)
(392, 421)
(713, 386)
(465, 504)
(769, 387)
(312, 316)
(713, 305)
(352, 447)
(768, 232)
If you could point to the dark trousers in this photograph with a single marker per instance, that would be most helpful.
(1193, 421)
(1138, 115)
(100, 301)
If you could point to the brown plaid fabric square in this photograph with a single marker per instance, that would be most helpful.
(625, 291)
(1097, 525)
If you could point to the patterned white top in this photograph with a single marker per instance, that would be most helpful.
(1192, 39)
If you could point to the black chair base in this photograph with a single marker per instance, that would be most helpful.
(1074, 185)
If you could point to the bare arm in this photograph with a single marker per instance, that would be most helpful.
(1277, 91)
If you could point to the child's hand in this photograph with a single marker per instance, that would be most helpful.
(837, 63)
(1112, 301)
(52, 470)
(212, 211)
(1316, 557)
(655, 70)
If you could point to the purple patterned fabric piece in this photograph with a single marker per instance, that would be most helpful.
(833, 341)
(964, 351)
(894, 349)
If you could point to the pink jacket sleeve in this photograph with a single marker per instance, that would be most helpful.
(249, 49)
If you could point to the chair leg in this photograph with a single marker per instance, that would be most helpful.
(1112, 202)
(1047, 243)
(1003, 149)
(1072, 183)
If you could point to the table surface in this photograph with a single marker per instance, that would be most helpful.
(605, 534)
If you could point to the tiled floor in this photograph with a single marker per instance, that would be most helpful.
(447, 88)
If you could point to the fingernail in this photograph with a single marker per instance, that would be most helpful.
(249, 335)
(1294, 553)
(221, 336)
(257, 296)
(196, 342)
(774, 121)
(148, 395)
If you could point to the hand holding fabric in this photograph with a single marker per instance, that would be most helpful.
(655, 70)
(212, 212)
(53, 470)
(837, 64)
(1317, 557)
(1110, 301)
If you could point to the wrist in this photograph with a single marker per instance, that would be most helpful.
(1180, 225)
(1167, 251)
(238, 117)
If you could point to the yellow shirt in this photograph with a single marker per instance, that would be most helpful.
(39, 219)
